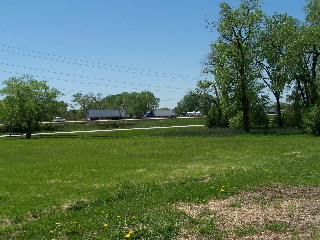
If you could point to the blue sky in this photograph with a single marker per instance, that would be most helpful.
(114, 46)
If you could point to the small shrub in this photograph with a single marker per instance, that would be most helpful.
(214, 119)
(311, 120)
(14, 128)
(236, 122)
(51, 127)
(292, 117)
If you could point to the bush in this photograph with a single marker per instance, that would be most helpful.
(311, 120)
(214, 119)
(237, 121)
(292, 117)
(14, 128)
(257, 119)
(51, 127)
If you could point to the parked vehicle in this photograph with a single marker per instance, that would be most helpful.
(161, 113)
(137, 117)
(59, 119)
(107, 114)
(194, 113)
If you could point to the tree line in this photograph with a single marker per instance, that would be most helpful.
(255, 54)
(28, 102)
(135, 104)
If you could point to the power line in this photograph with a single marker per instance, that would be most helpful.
(92, 64)
(86, 77)
(70, 91)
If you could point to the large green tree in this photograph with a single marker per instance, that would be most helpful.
(233, 57)
(28, 101)
(89, 101)
(280, 31)
(195, 101)
(145, 101)
(303, 63)
(310, 43)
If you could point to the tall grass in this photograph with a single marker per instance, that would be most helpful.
(107, 187)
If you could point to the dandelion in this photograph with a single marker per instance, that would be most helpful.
(94, 233)
(118, 216)
(212, 187)
(51, 231)
(129, 234)
(58, 223)
(222, 190)
(106, 225)
(134, 217)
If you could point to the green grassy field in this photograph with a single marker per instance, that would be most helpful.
(126, 184)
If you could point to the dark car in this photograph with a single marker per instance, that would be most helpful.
(137, 117)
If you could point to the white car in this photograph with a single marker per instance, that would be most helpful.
(59, 119)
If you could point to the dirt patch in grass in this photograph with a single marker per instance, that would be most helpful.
(277, 212)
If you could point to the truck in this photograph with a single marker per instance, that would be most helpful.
(106, 114)
(194, 113)
(161, 113)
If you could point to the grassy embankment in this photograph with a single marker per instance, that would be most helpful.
(128, 183)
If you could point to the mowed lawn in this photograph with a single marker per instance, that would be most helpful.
(122, 186)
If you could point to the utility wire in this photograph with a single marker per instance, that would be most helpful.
(93, 64)
(87, 77)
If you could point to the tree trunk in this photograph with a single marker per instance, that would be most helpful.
(28, 135)
(313, 84)
(280, 120)
(29, 130)
(245, 108)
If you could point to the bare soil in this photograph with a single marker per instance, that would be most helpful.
(277, 212)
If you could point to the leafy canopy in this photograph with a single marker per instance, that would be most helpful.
(28, 101)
